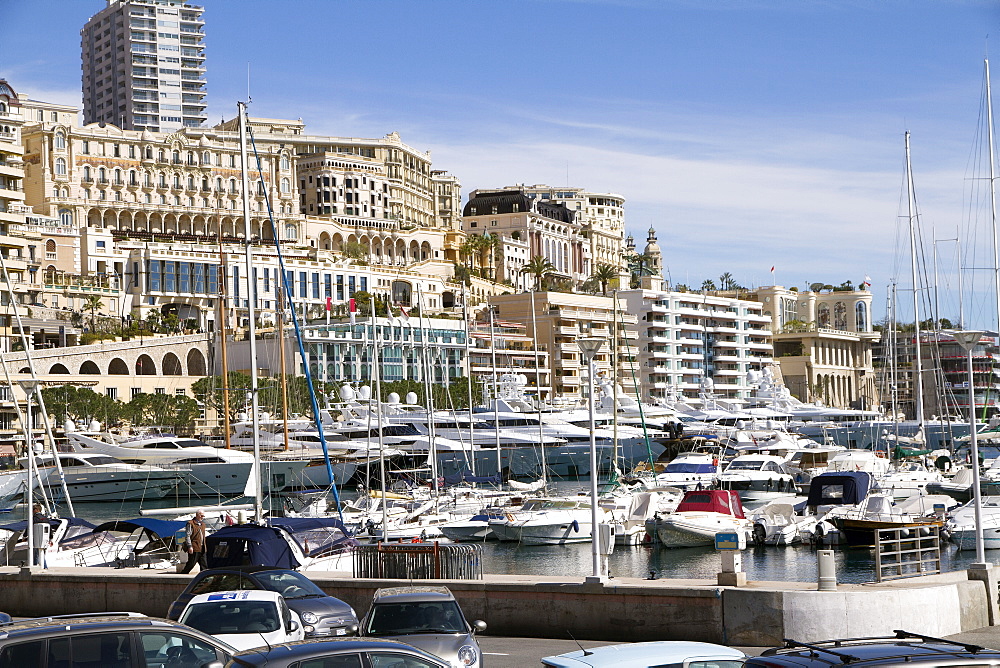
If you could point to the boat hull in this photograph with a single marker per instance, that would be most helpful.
(114, 486)
(863, 533)
(695, 532)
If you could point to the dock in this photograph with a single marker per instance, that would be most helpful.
(622, 609)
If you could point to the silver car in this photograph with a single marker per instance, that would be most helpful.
(428, 618)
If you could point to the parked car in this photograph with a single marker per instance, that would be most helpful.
(110, 640)
(4, 618)
(339, 653)
(899, 649)
(244, 619)
(428, 618)
(326, 615)
(651, 655)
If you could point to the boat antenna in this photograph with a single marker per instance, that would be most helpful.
(586, 652)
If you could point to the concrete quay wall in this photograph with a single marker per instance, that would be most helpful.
(624, 609)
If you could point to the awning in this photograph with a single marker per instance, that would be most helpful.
(7, 451)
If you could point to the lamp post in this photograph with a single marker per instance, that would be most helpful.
(968, 341)
(589, 347)
(30, 387)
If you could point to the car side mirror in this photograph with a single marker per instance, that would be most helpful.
(293, 625)
(479, 626)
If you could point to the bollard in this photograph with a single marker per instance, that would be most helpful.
(827, 570)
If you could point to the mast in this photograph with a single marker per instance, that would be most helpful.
(918, 399)
(496, 393)
(427, 369)
(377, 372)
(993, 199)
(223, 344)
(468, 363)
(284, 373)
(538, 386)
(251, 305)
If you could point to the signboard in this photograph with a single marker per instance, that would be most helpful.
(730, 541)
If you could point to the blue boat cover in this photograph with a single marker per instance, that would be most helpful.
(839, 488)
(162, 528)
(249, 545)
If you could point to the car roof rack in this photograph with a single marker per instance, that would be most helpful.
(969, 647)
(76, 615)
(817, 648)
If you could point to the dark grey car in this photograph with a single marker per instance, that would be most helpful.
(337, 653)
(428, 618)
(109, 640)
(322, 614)
(901, 649)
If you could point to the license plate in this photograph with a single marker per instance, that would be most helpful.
(340, 632)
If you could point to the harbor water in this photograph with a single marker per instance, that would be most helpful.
(795, 563)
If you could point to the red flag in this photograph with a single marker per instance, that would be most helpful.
(352, 308)
(329, 304)
(403, 311)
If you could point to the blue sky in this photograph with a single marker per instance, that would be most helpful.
(749, 134)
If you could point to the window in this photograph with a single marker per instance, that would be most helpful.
(112, 392)
(99, 649)
(335, 661)
(60, 141)
(163, 648)
(136, 391)
(861, 316)
(60, 167)
(385, 659)
(22, 654)
(160, 390)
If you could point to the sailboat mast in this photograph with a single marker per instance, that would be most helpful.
(251, 305)
(993, 199)
(284, 372)
(223, 334)
(918, 399)
(468, 363)
(377, 372)
(538, 386)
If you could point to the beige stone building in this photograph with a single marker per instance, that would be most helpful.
(562, 319)
(823, 344)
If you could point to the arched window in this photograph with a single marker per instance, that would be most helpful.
(823, 315)
(177, 157)
(60, 141)
(861, 316)
(840, 315)
(86, 173)
(102, 175)
(163, 180)
(3, 107)
(50, 246)
(285, 185)
(149, 153)
(60, 166)
(291, 232)
(55, 191)
(161, 155)
(177, 180)
(286, 164)
(190, 182)
(65, 218)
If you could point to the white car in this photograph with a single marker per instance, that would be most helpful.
(245, 619)
(650, 655)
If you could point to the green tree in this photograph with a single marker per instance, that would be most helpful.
(176, 412)
(708, 284)
(81, 404)
(726, 282)
(93, 303)
(604, 274)
(540, 267)
(355, 250)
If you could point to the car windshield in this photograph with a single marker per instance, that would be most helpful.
(288, 583)
(230, 616)
(390, 619)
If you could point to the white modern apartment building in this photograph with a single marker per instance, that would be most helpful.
(144, 65)
(688, 341)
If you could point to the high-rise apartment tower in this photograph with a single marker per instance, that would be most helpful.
(144, 65)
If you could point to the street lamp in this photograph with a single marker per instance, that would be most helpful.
(589, 347)
(30, 387)
(968, 341)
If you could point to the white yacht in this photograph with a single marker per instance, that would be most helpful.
(95, 477)
(546, 521)
(961, 524)
(212, 471)
(758, 478)
(690, 470)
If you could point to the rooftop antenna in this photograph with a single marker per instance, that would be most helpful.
(586, 652)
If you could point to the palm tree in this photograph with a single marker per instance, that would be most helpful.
(604, 274)
(639, 265)
(708, 284)
(726, 281)
(540, 267)
(93, 302)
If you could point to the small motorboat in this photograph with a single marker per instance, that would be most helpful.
(700, 515)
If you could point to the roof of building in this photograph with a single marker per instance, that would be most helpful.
(514, 201)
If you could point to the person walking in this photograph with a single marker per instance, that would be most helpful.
(196, 542)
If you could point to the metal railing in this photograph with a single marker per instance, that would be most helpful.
(419, 561)
(907, 552)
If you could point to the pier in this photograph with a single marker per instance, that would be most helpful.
(623, 609)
